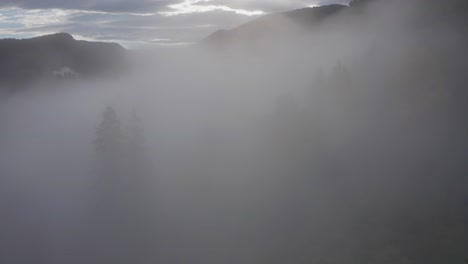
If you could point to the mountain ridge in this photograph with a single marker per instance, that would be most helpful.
(27, 60)
(275, 25)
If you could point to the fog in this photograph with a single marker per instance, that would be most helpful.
(345, 143)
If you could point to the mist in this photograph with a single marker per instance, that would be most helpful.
(344, 142)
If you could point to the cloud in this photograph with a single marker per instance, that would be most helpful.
(202, 6)
(269, 6)
(111, 6)
(127, 29)
(136, 21)
(243, 7)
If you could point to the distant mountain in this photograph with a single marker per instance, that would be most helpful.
(56, 56)
(276, 28)
(273, 27)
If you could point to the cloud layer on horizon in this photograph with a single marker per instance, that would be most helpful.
(162, 22)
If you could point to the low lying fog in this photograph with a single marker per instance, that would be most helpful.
(321, 149)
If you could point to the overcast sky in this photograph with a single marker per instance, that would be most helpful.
(136, 22)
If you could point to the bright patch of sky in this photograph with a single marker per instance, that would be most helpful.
(192, 6)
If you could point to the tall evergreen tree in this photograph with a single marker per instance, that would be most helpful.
(136, 158)
(141, 189)
(110, 168)
(109, 143)
(123, 222)
(137, 169)
(110, 215)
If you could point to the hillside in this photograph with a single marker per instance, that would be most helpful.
(56, 56)
(273, 27)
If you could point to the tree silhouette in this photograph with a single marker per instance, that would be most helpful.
(111, 215)
(135, 150)
(142, 190)
(109, 143)
(123, 214)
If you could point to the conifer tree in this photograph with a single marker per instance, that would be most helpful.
(109, 143)
(109, 220)
(123, 205)
(135, 146)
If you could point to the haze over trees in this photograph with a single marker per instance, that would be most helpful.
(123, 221)
(323, 135)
